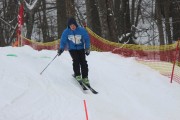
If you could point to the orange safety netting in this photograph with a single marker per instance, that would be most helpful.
(160, 57)
(39, 45)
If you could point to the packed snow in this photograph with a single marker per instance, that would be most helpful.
(127, 89)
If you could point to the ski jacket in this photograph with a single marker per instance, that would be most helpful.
(75, 39)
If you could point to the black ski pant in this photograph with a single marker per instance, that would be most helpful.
(80, 65)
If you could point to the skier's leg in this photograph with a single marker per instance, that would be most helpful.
(76, 62)
(84, 67)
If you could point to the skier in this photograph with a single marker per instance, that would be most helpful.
(77, 41)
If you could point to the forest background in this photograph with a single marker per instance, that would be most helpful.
(145, 22)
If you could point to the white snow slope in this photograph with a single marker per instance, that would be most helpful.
(127, 90)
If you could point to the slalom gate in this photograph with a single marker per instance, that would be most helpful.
(163, 58)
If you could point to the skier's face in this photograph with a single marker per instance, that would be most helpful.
(73, 27)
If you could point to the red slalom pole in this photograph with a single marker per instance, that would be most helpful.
(85, 108)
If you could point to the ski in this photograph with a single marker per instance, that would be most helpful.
(91, 89)
(84, 86)
(81, 84)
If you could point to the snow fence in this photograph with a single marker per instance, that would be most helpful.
(160, 58)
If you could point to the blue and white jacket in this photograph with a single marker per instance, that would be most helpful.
(75, 39)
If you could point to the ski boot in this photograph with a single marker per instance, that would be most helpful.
(78, 78)
(85, 81)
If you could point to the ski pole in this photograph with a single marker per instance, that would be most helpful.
(48, 64)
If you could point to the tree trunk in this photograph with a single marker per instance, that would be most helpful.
(111, 22)
(8, 21)
(167, 21)
(44, 24)
(175, 21)
(159, 22)
(61, 16)
(138, 12)
(123, 14)
(93, 17)
(2, 42)
(29, 24)
(70, 8)
(125, 22)
(132, 11)
(102, 10)
(117, 16)
(30, 17)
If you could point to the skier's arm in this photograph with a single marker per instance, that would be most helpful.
(63, 40)
(86, 39)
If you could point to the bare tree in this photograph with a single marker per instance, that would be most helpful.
(159, 21)
(93, 16)
(65, 9)
(166, 4)
(125, 22)
(175, 7)
(132, 11)
(30, 14)
(108, 18)
(138, 13)
(44, 24)
(117, 17)
(70, 8)
(8, 22)
(61, 16)
(111, 21)
(102, 10)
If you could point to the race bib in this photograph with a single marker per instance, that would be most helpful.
(75, 39)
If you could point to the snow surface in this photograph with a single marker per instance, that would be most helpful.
(127, 89)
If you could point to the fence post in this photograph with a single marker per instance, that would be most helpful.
(174, 62)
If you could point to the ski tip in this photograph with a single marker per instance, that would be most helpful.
(95, 92)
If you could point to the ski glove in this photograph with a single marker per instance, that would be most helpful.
(60, 51)
(87, 52)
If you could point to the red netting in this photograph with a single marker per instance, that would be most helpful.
(160, 57)
(148, 55)
(41, 46)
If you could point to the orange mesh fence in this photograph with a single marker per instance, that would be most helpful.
(165, 68)
(163, 52)
(160, 58)
(39, 45)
